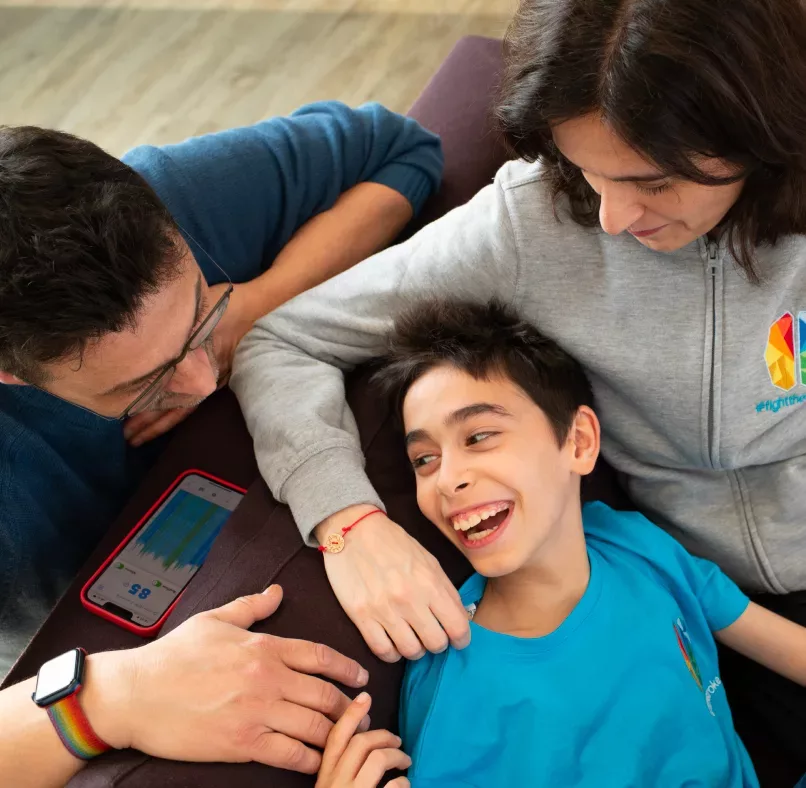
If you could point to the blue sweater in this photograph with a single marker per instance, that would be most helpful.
(242, 193)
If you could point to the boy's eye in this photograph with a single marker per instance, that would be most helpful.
(478, 437)
(419, 462)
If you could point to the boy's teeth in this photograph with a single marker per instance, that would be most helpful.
(466, 523)
(479, 535)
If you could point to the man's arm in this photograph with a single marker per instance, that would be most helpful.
(289, 380)
(208, 691)
(769, 639)
(286, 204)
(363, 221)
(243, 193)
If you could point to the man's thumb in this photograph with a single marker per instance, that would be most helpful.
(246, 610)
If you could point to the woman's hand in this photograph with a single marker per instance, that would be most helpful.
(360, 760)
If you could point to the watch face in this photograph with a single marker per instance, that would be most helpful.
(58, 677)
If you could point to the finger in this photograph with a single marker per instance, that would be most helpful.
(342, 732)
(276, 749)
(316, 694)
(378, 763)
(321, 660)
(300, 723)
(134, 424)
(244, 611)
(406, 642)
(168, 420)
(428, 630)
(377, 639)
(399, 782)
(452, 617)
(361, 747)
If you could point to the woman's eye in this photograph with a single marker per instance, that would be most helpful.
(478, 437)
(662, 187)
(419, 462)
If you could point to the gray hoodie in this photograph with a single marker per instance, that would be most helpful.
(697, 374)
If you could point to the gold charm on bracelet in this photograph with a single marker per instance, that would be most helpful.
(334, 543)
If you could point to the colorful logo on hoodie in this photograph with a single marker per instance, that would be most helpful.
(780, 352)
(684, 641)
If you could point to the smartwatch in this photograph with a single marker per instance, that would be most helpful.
(58, 684)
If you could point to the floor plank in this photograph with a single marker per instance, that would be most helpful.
(124, 73)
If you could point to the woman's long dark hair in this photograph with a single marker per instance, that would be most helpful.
(675, 79)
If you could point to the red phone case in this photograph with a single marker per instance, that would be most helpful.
(154, 628)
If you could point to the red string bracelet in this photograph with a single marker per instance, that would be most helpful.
(334, 543)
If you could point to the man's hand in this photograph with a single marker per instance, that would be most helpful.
(211, 691)
(360, 760)
(393, 589)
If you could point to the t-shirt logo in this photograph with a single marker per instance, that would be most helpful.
(684, 641)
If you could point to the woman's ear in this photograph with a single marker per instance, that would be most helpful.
(11, 380)
(585, 435)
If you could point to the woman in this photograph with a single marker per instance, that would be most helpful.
(656, 227)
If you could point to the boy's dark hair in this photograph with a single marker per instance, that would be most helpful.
(484, 340)
(675, 80)
(83, 239)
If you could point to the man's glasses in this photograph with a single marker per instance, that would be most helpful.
(202, 334)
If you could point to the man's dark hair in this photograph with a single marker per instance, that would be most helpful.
(484, 340)
(675, 80)
(83, 240)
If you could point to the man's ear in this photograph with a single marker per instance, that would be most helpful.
(11, 380)
(585, 435)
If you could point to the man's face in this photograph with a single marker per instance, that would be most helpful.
(116, 369)
(660, 212)
(483, 449)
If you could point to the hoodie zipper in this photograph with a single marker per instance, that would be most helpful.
(712, 247)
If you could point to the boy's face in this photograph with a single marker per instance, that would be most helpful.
(490, 474)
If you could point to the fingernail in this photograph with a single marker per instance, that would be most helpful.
(363, 676)
(364, 724)
(398, 741)
(363, 697)
(270, 588)
(136, 442)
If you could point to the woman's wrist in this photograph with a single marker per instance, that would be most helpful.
(341, 519)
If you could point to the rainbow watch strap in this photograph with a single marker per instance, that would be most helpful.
(74, 728)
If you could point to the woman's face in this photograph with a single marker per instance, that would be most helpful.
(662, 213)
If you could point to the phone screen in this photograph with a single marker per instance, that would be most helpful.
(147, 575)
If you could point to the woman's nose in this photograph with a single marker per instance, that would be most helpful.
(617, 210)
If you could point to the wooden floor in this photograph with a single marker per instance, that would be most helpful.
(124, 72)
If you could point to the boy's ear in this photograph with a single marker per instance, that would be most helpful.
(11, 380)
(585, 435)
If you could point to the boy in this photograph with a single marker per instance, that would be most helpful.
(592, 660)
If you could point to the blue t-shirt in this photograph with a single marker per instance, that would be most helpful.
(241, 194)
(626, 692)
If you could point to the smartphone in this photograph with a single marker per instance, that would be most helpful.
(139, 584)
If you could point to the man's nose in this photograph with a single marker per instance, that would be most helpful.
(618, 209)
(195, 375)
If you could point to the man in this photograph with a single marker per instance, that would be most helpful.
(117, 312)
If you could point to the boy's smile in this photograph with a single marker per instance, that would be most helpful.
(480, 525)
